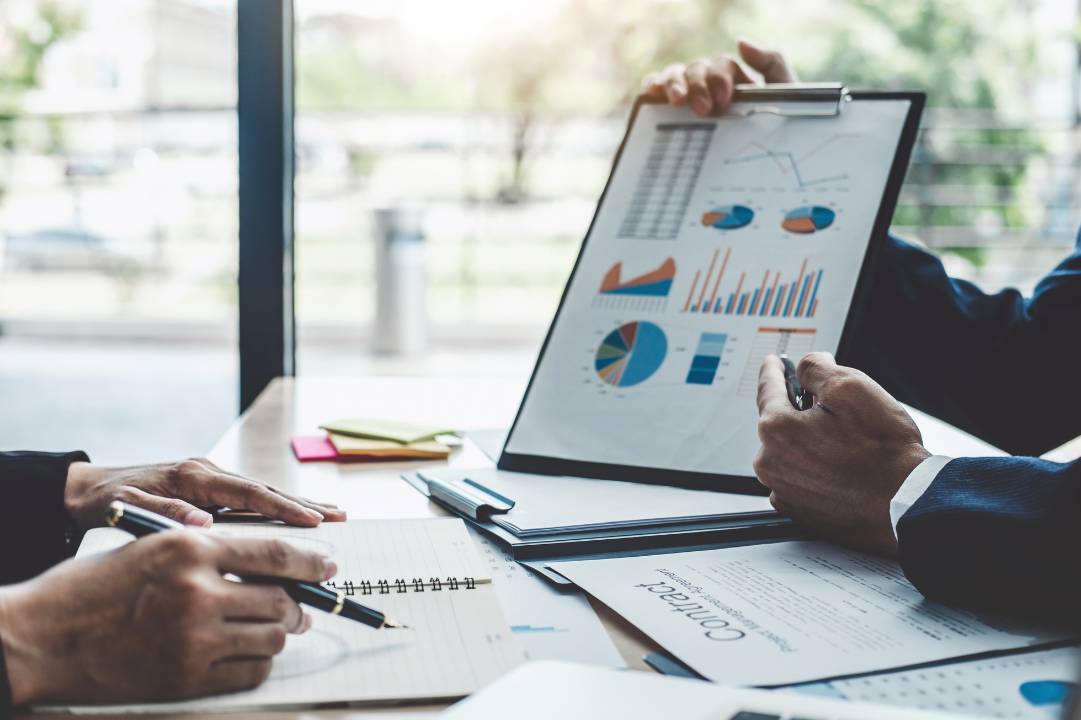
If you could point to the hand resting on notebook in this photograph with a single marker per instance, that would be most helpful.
(154, 620)
(178, 490)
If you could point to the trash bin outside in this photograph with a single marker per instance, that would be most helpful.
(401, 317)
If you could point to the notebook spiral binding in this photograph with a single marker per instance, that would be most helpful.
(401, 585)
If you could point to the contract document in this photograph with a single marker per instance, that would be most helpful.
(791, 612)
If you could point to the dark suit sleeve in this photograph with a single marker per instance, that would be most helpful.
(1001, 534)
(35, 530)
(1001, 366)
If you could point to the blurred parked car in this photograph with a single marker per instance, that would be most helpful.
(65, 249)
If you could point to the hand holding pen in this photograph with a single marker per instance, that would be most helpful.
(141, 522)
(158, 619)
(797, 395)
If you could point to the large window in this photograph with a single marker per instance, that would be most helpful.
(118, 226)
(476, 135)
(493, 124)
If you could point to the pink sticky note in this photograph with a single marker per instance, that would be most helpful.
(313, 448)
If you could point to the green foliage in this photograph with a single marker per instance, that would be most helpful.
(27, 47)
(590, 56)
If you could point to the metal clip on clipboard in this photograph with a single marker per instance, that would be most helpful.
(467, 497)
(790, 99)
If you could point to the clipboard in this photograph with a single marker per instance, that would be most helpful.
(560, 428)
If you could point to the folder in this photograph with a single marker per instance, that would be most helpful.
(543, 516)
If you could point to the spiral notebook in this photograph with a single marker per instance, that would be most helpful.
(426, 573)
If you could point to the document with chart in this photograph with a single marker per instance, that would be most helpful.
(717, 241)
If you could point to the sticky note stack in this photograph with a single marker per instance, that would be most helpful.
(365, 439)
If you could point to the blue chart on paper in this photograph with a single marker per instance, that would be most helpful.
(728, 217)
(630, 354)
(536, 629)
(1046, 692)
(707, 358)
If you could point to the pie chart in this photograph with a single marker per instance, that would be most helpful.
(728, 217)
(809, 219)
(630, 354)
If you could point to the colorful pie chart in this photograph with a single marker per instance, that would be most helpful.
(630, 354)
(728, 217)
(809, 219)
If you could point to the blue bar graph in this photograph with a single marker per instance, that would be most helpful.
(707, 358)
(797, 298)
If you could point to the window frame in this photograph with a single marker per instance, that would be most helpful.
(266, 162)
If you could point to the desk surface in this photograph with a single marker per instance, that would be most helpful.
(257, 445)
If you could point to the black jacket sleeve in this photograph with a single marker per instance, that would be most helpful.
(999, 534)
(35, 530)
(1001, 366)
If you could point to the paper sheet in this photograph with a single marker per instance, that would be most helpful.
(717, 241)
(1033, 686)
(458, 640)
(549, 623)
(789, 612)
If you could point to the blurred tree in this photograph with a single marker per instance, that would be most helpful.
(23, 47)
(588, 59)
(975, 58)
(976, 62)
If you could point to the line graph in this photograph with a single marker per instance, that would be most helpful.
(788, 162)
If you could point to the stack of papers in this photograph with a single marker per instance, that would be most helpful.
(366, 439)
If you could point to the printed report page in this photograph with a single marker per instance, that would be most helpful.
(718, 241)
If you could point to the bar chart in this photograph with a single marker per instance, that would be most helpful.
(707, 358)
(770, 297)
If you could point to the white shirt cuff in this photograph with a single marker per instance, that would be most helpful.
(914, 486)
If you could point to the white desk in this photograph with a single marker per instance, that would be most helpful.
(257, 445)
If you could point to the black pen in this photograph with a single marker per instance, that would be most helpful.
(800, 398)
(140, 522)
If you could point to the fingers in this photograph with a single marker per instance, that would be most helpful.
(653, 87)
(705, 84)
(816, 371)
(770, 63)
(251, 602)
(218, 488)
(252, 640)
(330, 513)
(290, 511)
(173, 508)
(772, 393)
(723, 76)
(675, 84)
(698, 94)
(273, 558)
(235, 674)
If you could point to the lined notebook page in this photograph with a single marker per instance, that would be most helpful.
(458, 640)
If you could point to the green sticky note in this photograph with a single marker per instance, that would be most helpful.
(399, 432)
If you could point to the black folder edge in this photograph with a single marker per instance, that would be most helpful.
(536, 553)
(548, 465)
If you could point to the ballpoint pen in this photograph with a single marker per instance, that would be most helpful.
(140, 522)
(800, 398)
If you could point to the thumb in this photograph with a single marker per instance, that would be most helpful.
(172, 508)
(770, 63)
